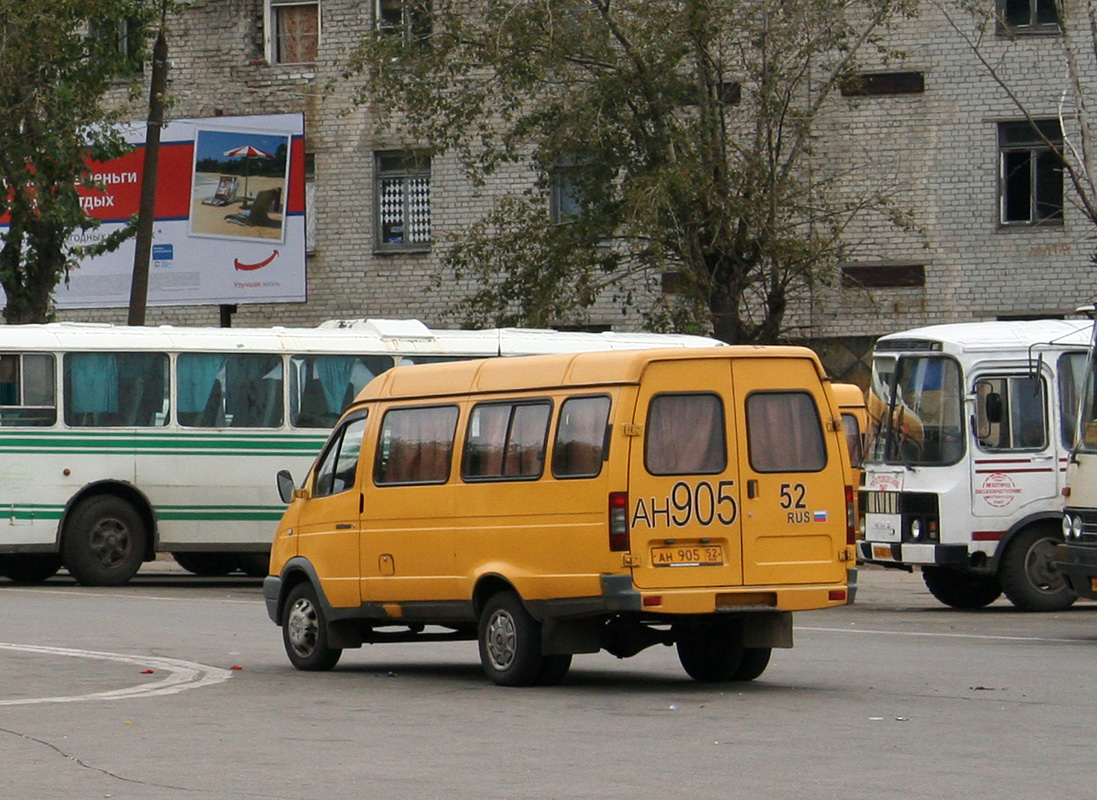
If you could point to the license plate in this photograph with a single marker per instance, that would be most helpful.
(882, 551)
(705, 555)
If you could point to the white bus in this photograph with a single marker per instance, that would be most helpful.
(118, 443)
(971, 429)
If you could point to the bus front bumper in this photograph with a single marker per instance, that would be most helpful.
(896, 553)
(1078, 565)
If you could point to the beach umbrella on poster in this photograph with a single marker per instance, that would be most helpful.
(247, 152)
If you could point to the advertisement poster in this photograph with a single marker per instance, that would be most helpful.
(230, 216)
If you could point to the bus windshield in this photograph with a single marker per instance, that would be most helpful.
(1087, 432)
(916, 411)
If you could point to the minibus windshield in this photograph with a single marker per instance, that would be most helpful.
(915, 406)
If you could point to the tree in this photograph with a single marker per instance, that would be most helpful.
(682, 133)
(58, 60)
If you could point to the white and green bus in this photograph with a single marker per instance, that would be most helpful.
(118, 443)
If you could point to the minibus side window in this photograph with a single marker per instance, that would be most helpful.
(784, 433)
(579, 448)
(116, 390)
(416, 445)
(339, 464)
(685, 435)
(853, 439)
(506, 440)
(27, 390)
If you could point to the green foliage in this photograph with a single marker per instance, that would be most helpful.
(689, 126)
(58, 58)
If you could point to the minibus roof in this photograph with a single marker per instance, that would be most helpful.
(538, 372)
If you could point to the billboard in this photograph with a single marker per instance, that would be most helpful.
(229, 219)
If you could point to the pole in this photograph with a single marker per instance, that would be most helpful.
(139, 288)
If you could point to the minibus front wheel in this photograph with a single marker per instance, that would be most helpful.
(305, 631)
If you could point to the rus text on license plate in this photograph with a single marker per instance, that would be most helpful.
(691, 556)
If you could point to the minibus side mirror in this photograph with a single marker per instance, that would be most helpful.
(285, 485)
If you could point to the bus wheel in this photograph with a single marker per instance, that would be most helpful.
(1028, 573)
(254, 565)
(712, 653)
(965, 590)
(28, 567)
(754, 663)
(207, 565)
(510, 642)
(104, 541)
(305, 631)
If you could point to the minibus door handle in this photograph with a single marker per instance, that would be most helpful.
(752, 489)
(343, 526)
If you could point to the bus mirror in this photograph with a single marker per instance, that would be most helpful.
(993, 408)
(285, 486)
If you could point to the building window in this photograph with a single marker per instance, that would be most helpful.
(1028, 16)
(410, 19)
(293, 31)
(876, 83)
(403, 201)
(120, 38)
(565, 203)
(883, 276)
(1030, 173)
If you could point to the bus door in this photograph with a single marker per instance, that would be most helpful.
(1016, 459)
(683, 479)
(790, 466)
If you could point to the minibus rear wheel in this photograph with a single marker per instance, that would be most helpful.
(713, 653)
(305, 631)
(104, 541)
(510, 643)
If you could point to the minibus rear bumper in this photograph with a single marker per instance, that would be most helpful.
(1077, 564)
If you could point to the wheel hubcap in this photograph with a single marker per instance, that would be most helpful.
(302, 627)
(110, 542)
(502, 640)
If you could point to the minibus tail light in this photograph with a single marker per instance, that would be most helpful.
(851, 517)
(618, 521)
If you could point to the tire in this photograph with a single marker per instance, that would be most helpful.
(754, 663)
(554, 670)
(254, 565)
(207, 565)
(104, 541)
(305, 631)
(29, 567)
(711, 653)
(963, 590)
(510, 642)
(1028, 573)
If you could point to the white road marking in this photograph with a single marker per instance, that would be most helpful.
(936, 635)
(181, 675)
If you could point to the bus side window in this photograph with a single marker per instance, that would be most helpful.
(578, 451)
(1009, 413)
(27, 394)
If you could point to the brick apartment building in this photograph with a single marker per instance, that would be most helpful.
(997, 233)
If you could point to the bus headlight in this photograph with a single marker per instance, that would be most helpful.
(1068, 526)
(916, 529)
(1076, 526)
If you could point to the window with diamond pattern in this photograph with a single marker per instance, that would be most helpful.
(403, 201)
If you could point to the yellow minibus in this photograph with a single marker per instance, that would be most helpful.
(561, 504)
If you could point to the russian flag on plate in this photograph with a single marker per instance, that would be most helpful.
(819, 516)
